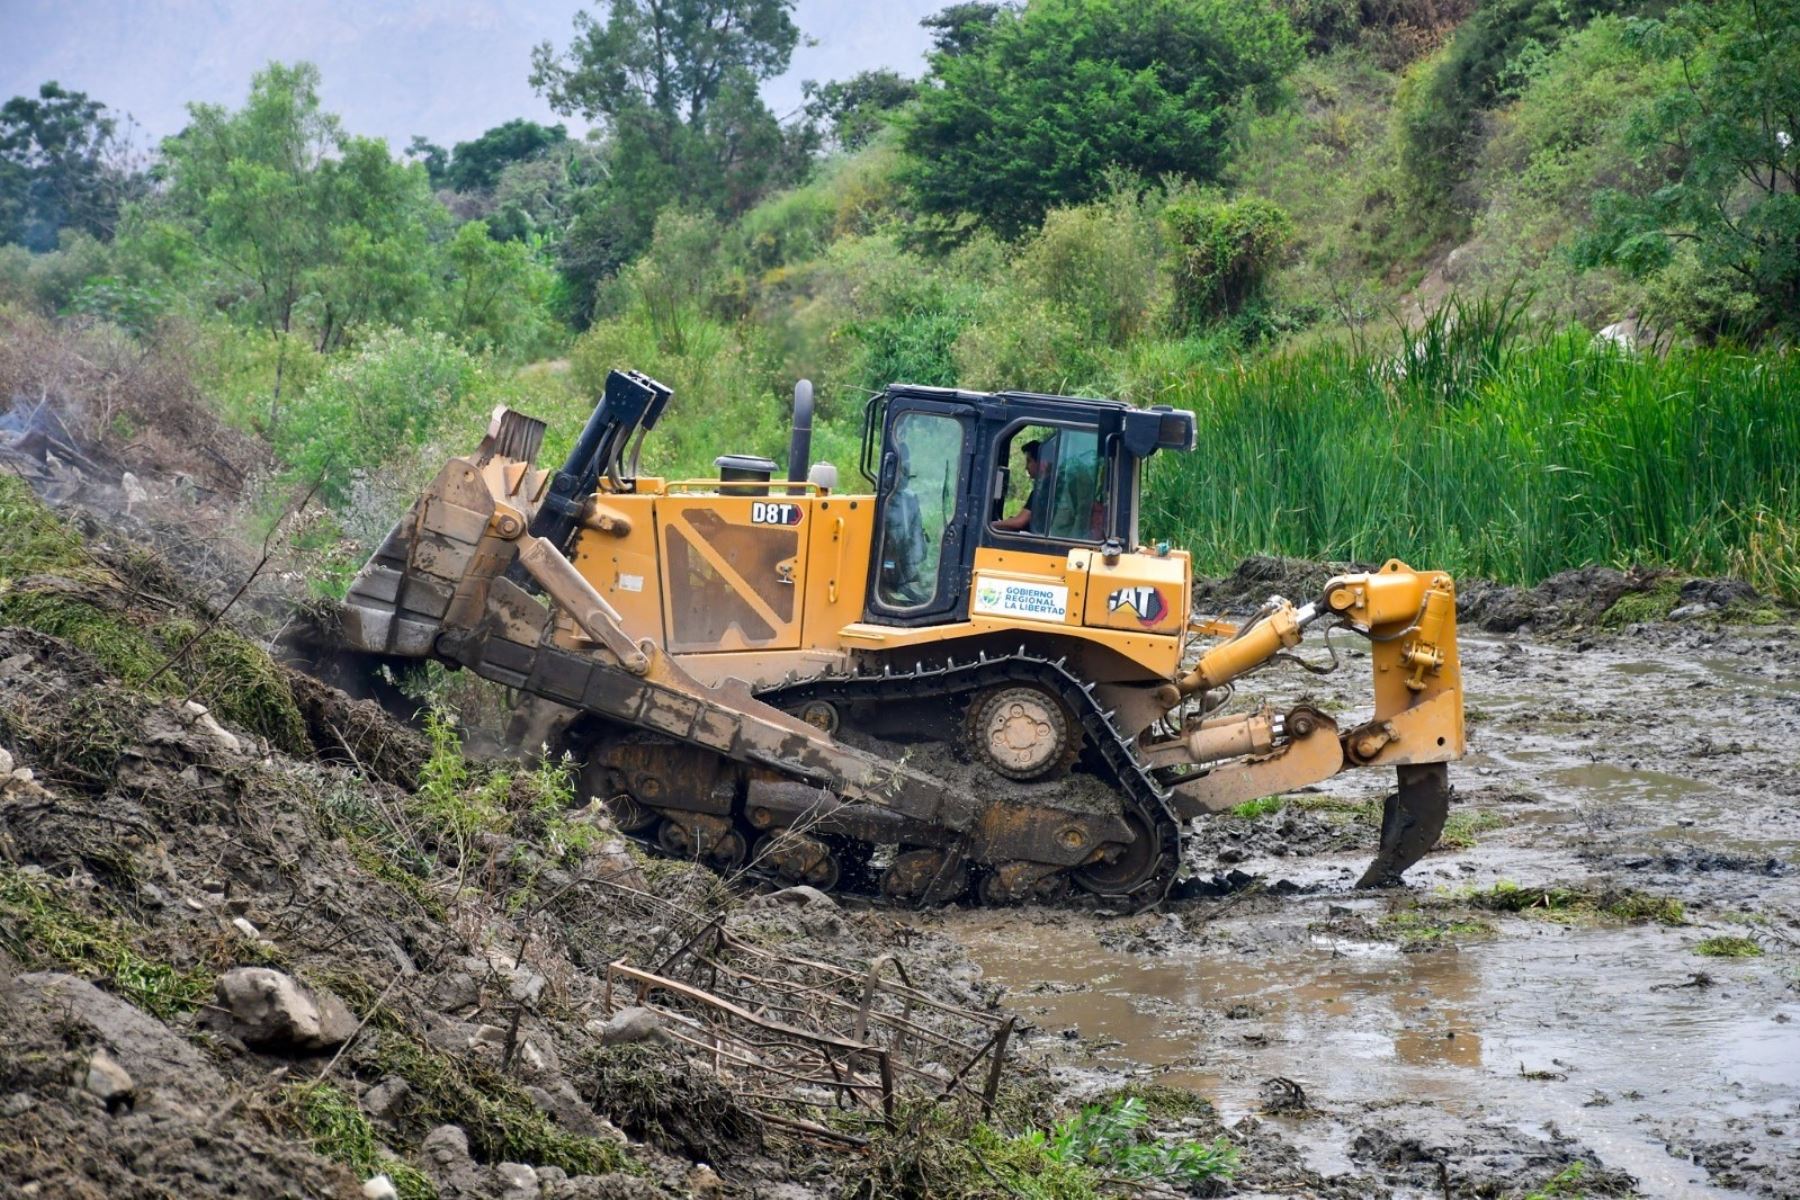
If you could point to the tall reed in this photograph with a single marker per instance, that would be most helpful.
(1557, 453)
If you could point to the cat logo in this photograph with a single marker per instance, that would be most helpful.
(1146, 602)
(764, 512)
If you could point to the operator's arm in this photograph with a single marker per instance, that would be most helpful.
(1017, 521)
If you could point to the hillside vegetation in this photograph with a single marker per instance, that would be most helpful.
(1368, 242)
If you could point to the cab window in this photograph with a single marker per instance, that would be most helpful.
(1057, 484)
(922, 504)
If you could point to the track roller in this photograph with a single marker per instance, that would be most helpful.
(1023, 732)
(712, 840)
(1022, 882)
(800, 859)
(925, 877)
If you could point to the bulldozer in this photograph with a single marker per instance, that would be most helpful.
(969, 679)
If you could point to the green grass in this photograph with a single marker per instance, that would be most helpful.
(502, 1123)
(1162, 1102)
(39, 928)
(1635, 607)
(1417, 928)
(1572, 1183)
(1728, 945)
(334, 1125)
(1464, 827)
(239, 682)
(1533, 457)
(36, 542)
(1568, 905)
(1250, 810)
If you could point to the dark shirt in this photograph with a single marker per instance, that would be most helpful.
(1038, 504)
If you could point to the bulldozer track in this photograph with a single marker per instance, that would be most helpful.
(1142, 795)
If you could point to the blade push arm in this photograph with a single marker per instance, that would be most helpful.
(1409, 618)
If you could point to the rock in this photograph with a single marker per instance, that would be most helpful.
(106, 1079)
(1715, 593)
(166, 1068)
(456, 991)
(627, 1026)
(380, 1187)
(603, 1187)
(526, 987)
(560, 1102)
(134, 490)
(16, 1105)
(264, 1007)
(704, 1183)
(517, 1181)
(444, 1156)
(384, 1099)
(243, 926)
(800, 896)
(202, 719)
(445, 1146)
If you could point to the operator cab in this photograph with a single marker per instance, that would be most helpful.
(956, 471)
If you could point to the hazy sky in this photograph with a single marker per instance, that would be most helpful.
(444, 68)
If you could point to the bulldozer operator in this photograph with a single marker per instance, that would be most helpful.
(1031, 517)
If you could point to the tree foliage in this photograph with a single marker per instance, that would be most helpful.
(1730, 131)
(477, 164)
(1492, 53)
(675, 84)
(1041, 105)
(309, 222)
(61, 167)
(854, 110)
(1226, 251)
(962, 27)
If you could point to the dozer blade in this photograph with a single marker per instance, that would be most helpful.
(1411, 820)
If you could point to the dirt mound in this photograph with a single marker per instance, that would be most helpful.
(1582, 598)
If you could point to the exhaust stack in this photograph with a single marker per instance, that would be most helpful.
(800, 441)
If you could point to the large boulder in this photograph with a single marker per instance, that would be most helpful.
(266, 1008)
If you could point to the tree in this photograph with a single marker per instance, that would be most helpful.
(314, 231)
(857, 108)
(1052, 97)
(1730, 135)
(476, 165)
(434, 157)
(61, 167)
(960, 28)
(675, 84)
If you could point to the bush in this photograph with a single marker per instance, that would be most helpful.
(726, 401)
(369, 407)
(1099, 264)
(49, 283)
(1440, 133)
(1225, 253)
(1060, 91)
(1023, 344)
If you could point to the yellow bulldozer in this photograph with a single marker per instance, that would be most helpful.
(920, 687)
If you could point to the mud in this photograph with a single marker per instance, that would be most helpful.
(1443, 1046)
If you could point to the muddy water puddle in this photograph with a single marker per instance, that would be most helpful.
(1591, 1031)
